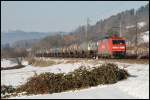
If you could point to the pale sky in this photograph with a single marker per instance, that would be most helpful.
(51, 16)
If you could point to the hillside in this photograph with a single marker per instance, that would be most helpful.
(128, 20)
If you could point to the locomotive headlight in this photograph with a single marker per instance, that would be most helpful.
(118, 47)
(122, 47)
(115, 47)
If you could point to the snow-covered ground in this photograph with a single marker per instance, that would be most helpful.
(141, 24)
(145, 36)
(99, 92)
(10, 63)
(19, 76)
(134, 87)
(130, 26)
(7, 63)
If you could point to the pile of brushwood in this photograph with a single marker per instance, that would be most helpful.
(80, 78)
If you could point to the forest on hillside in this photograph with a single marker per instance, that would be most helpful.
(126, 18)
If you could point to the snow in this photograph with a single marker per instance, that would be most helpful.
(7, 63)
(146, 36)
(24, 62)
(130, 26)
(141, 24)
(136, 86)
(10, 63)
(99, 92)
(28, 71)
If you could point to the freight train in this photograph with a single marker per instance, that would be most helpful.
(108, 47)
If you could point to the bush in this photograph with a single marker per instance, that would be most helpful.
(80, 78)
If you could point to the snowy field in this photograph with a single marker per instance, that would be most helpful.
(134, 87)
(7, 63)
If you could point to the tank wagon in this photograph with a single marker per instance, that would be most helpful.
(88, 49)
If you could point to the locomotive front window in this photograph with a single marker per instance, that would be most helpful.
(118, 41)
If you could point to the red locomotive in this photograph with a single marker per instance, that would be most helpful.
(112, 47)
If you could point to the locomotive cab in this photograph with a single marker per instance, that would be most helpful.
(118, 47)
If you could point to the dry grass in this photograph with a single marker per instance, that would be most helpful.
(41, 63)
(72, 61)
